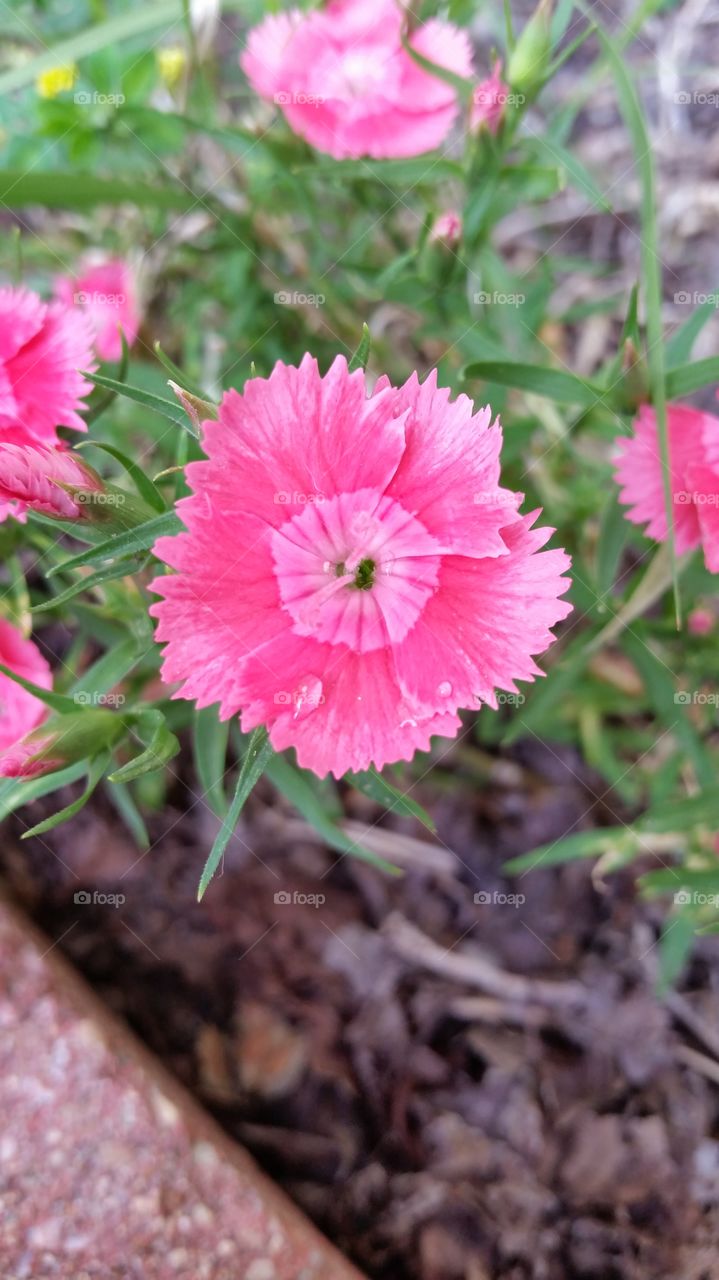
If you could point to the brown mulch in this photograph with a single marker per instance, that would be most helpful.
(438, 1118)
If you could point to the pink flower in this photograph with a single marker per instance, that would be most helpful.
(352, 572)
(106, 293)
(447, 228)
(42, 347)
(489, 101)
(20, 711)
(346, 84)
(700, 621)
(30, 758)
(694, 478)
(33, 477)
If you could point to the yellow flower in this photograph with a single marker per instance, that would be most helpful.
(171, 63)
(56, 80)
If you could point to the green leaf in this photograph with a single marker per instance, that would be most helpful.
(121, 798)
(298, 787)
(630, 108)
(141, 538)
(176, 373)
(463, 87)
(107, 574)
(577, 173)
(95, 772)
(372, 784)
(209, 749)
(672, 715)
(81, 191)
(259, 752)
(111, 668)
(680, 815)
(359, 358)
(163, 747)
(674, 947)
(143, 484)
(692, 377)
(679, 346)
(58, 701)
(166, 408)
(16, 793)
(565, 388)
(674, 879)
(613, 536)
(581, 844)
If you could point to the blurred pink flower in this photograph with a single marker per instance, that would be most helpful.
(42, 347)
(447, 228)
(107, 294)
(694, 477)
(20, 711)
(33, 476)
(489, 101)
(352, 572)
(346, 84)
(700, 621)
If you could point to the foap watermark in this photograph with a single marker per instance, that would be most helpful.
(285, 498)
(283, 898)
(85, 99)
(498, 299)
(95, 498)
(695, 698)
(84, 699)
(283, 99)
(687, 497)
(685, 298)
(94, 298)
(489, 498)
(86, 898)
(496, 898)
(692, 898)
(510, 699)
(305, 697)
(293, 298)
(697, 98)
(493, 97)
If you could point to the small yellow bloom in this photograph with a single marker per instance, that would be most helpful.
(56, 80)
(171, 63)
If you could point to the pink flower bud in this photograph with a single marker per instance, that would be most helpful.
(39, 478)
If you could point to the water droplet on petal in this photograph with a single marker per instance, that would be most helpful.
(403, 724)
(308, 696)
(444, 689)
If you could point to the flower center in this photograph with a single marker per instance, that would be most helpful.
(357, 570)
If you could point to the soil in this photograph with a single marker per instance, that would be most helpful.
(373, 1043)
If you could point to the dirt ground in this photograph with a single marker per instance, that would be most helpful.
(452, 1089)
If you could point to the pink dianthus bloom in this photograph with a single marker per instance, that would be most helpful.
(352, 572)
(33, 477)
(43, 345)
(30, 757)
(489, 102)
(694, 478)
(446, 228)
(345, 82)
(106, 293)
(20, 711)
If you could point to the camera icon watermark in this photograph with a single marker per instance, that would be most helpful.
(699, 98)
(85, 99)
(496, 898)
(695, 698)
(294, 298)
(498, 299)
(283, 898)
(693, 898)
(86, 898)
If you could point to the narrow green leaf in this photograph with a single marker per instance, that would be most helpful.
(81, 191)
(143, 484)
(209, 749)
(259, 753)
(679, 346)
(58, 701)
(360, 357)
(121, 798)
(107, 574)
(166, 408)
(141, 538)
(94, 774)
(16, 793)
(162, 748)
(177, 373)
(297, 786)
(577, 173)
(581, 844)
(692, 377)
(675, 945)
(372, 784)
(557, 385)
